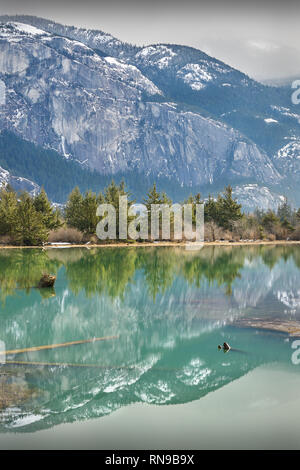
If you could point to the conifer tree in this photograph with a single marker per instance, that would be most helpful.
(50, 217)
(152, 197)
(284, 211)
(29, 228)
(228, 209)
(194, 200)
(89, 209)
(8, 211)
(287, 225)
(211, 210)
(111, 196)
(74, 210)
(269, 221)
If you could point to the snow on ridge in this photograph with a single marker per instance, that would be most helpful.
(157, 55)
(135, 74)
(157, 49)
(27, 29)
(103, 38)
(68, 43)
(198, 75)
(78, 51)
(194, 75)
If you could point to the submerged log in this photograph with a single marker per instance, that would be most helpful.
(47, 281)
(276, 325)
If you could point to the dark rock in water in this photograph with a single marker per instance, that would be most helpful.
(225, 347)
(47, 280)
(47, 293)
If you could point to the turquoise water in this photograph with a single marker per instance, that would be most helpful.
(167, 310)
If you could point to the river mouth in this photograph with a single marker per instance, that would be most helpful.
(160, 314)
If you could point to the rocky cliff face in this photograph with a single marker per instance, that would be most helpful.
(17, 182)
(253, 195)
(117, 108)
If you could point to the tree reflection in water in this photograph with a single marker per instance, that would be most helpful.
(169, 309)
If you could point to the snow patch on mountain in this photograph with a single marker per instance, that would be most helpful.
(4, 177)
(198, 75)
(133, 75)
(28, 29)
(290, 150)
(254, 196)
(194, 75)
(18, 183)
(159, 55)
(286, 112)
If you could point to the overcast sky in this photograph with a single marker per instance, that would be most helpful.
(260, 38)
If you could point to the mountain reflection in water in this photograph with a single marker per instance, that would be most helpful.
(168, 309)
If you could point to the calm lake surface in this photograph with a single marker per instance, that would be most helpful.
(161, 381)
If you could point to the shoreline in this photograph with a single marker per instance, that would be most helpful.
(152, 244)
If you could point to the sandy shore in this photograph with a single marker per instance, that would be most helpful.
(157, 244)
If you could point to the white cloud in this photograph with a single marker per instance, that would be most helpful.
(263, 46)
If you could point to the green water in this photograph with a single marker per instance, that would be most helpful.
(168, 310)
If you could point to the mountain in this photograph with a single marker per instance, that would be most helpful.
(253, 195)
(162, 112)
(18, 183)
